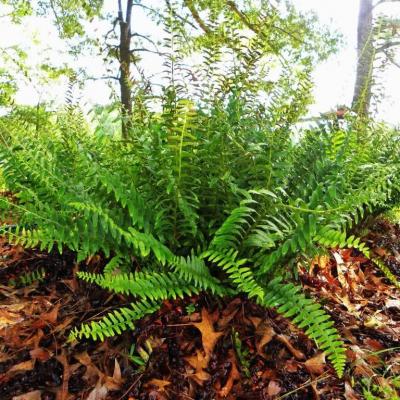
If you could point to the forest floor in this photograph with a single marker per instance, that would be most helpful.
(201, 347)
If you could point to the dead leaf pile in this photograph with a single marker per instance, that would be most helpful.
(224, 349)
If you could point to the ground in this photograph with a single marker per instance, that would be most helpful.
(200, 347)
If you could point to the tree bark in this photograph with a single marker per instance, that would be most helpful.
(125, 66)
(365, 59)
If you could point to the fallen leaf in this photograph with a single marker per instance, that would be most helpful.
(209, 336)
(40, 354)
(273, 388)
(291, 365)
(63, 393)
(10, 315)
(373, 322)
(349, 392)
(234, 375)
(160, 383)
(24, 366)
(98, 393)
(199, 362)
(380, 251)
(268, 333)
(117, 372)
(316, 364)
(228, 313)
(51, 316)
(297, 353)
(341, 270)
(35, 395)
(373, 344)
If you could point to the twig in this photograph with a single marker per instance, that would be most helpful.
(308, 383)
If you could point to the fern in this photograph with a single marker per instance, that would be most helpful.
(115, 322)
(307, 314)
(214, 192)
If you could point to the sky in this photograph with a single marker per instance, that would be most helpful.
(334, 78)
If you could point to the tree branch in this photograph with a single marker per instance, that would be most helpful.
(144, 50)
(253, 27)
(189, 4)
(93, 78)
(387, 46)
(145, 38)
(384, 1)
(391, 59)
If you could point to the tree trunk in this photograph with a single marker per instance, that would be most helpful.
(125, 67)
(365, 59)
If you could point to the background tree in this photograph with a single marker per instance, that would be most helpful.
(378, 38)
(259, 35)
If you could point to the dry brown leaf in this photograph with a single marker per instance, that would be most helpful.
(291, 365)
(341, 270)
(209, 336)
(35, 395)
(373, 344)
(199, 362)
(234, 375)
(229, 313)
(117, 376)
(380, 251)
(11, 314)
(297, 353)
(63, 393)
(92, 374)
(273, 388)
(255, 321)
(160, 383)
(40, 354)
(98, 393)
(349, 392)
(24, 366)
(268, 333)
(51, 316)
(71, 284)
(374, 321)
(316, 364)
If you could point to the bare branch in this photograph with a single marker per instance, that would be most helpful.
(384, 1)
(145, 38)
(94, 78)
(387, 46)
(184, 20)
(391, 59)
(143, 50)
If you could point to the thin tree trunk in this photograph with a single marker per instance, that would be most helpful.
(365, 59)
(125, 66)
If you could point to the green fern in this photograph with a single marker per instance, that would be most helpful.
(115, 322)
(307, 314)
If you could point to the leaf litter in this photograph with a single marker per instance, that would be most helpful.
(201, 347)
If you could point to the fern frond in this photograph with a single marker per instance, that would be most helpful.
(115, 322)
(146, 285)
(308, 314)
(193, 269)
(241, 276)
